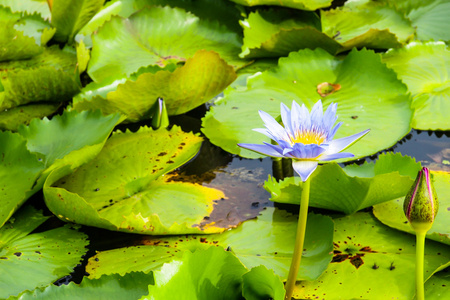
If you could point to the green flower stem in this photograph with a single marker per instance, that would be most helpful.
(420, 252)
(299, 240)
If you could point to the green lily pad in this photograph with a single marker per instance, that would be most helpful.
(391, 213)
(11, 119)
(261, 283)
(20, 36)
(157, 36)
(268, 240)
(28, 6)
(37, 259)
(372, 261)
(114, 287)
(19, 170)
(274, 33)
(429, 18)
(205, 274)
(297, 77)
(202, 77)
(69, 16)
(437, 285)
(299, 4)
(370, 24)
(50, 76)
(423, 67)
(124, 187)
(351, 188)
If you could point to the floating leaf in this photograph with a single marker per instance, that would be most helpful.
(429, 18)
(391, 213)
(37, 259)
(423, 67)
(261, 283)
(11, 119)
(20, 37)
(202, 77)
(437, 285)
(299, 4)
(352, 188)
(29, 6)
(19, 169)
(383, 257)
(124, 187)
(69, 16)
(50, 76)
(156, 36)
(276, 32)
(268, 240)
(112, 287)
(205, 274)
(370, 25)
(231, 120)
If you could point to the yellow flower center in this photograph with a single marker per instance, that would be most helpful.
(307, 137)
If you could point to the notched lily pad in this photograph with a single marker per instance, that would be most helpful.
(37, 259)
(391, 213)
(385, 258)
(201, 78)
(255, 242)
(125, 187)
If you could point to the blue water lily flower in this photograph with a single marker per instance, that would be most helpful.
(306, 137)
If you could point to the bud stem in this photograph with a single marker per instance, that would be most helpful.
(420, 252)
(299, 241)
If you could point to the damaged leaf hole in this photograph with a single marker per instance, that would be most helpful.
(354, 257)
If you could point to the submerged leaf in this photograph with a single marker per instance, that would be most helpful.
(365, 248)
(124, 187)
(351, 188)
(37, 259)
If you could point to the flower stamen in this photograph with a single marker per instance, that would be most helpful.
(307, 137)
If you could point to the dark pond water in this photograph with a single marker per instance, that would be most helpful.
(242, 181)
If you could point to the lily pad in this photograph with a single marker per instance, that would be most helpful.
(157, 36)
(351, 188)
(202, 77)
(372, 261)
(299, 4)
(261, 283)
(205, 274)
(11, 119)
(19, 170)
(370, 25)
(276, 32)
(28, 6)
(69, 16)
(113, 287)
(37, 259)
(391, 213)
(437, 285)
(297, 77)
(268, 240)
(21, 35)
(50, 76)
(423, 67)
(124, 187)
(429, 18)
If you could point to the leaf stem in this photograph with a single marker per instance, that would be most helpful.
(299, 240)
(420, 252)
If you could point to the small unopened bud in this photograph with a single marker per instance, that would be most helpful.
(421, 203)
(160, 117)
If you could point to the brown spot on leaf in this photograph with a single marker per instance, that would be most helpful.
(325, 88)
(357, 260)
